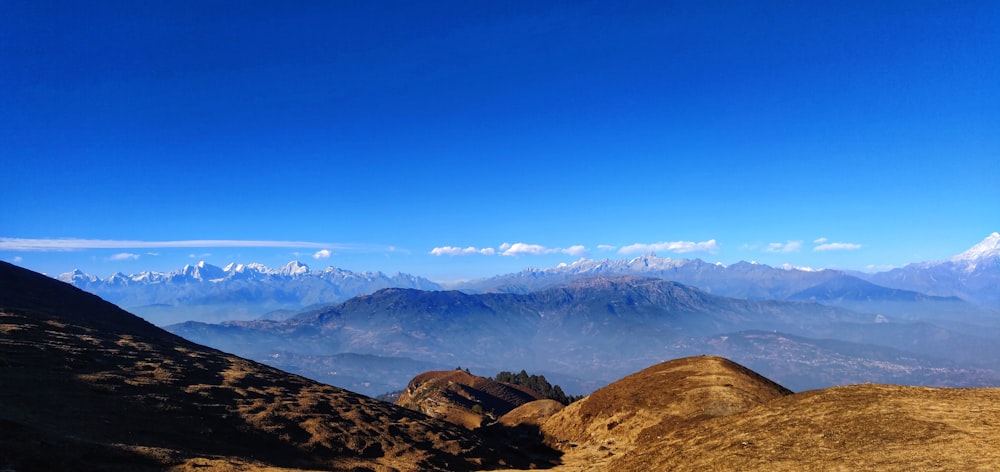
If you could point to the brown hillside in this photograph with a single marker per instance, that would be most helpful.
(532, 413)
(707, 413)
(622, 416)
(453, 395)
(87, 386)
(860, 427)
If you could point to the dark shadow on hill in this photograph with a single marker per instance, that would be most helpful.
(523, 446)
(25, 448)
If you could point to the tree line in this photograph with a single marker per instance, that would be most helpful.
(538, 384)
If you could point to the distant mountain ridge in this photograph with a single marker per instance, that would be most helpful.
(743, 280)
(236, 291)
(973, 276)
(748, 280)
(205, 292)
(602, 326)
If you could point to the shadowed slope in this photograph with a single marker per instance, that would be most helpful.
(85, 385)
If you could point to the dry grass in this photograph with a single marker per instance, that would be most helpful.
(861, 427)
(116, 401)
(532, 413)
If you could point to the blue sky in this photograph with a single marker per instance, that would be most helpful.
(384, 135)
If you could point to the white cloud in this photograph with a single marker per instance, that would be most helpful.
(819, 241)
(18, 258)
(508, 249)
(458, 251)
(200, 256)
(790, 246)
(606, 247)
(124, 256)
(446, 251)
(679, 247)
(837, 247)
(72, 244)
(517, 249)
(322, 254)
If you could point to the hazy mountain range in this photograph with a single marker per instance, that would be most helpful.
(589, 331)
(205, 292)
(583, 324)
(237, 291)
(973, 276)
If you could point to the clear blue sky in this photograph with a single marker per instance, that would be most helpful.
(366, 134)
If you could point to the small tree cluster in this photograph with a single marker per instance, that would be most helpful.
(538, 384)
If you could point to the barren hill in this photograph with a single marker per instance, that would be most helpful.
(708, 413)
(677, 394)
(87, 386)
(462, 398)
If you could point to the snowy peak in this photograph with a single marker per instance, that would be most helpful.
(76, 277)
(237, 290)
(201, 272)
(253, 272)
(292, 269)
(987, 249)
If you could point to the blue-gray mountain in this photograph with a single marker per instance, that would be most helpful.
(237, 291)
(599, 328)
(973, 275)
(751, 281)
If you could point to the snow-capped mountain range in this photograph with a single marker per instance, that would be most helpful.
(204, 272)
(236, 291)
(748, 280)
(988, 248)
(973, 276)
(247, 291)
